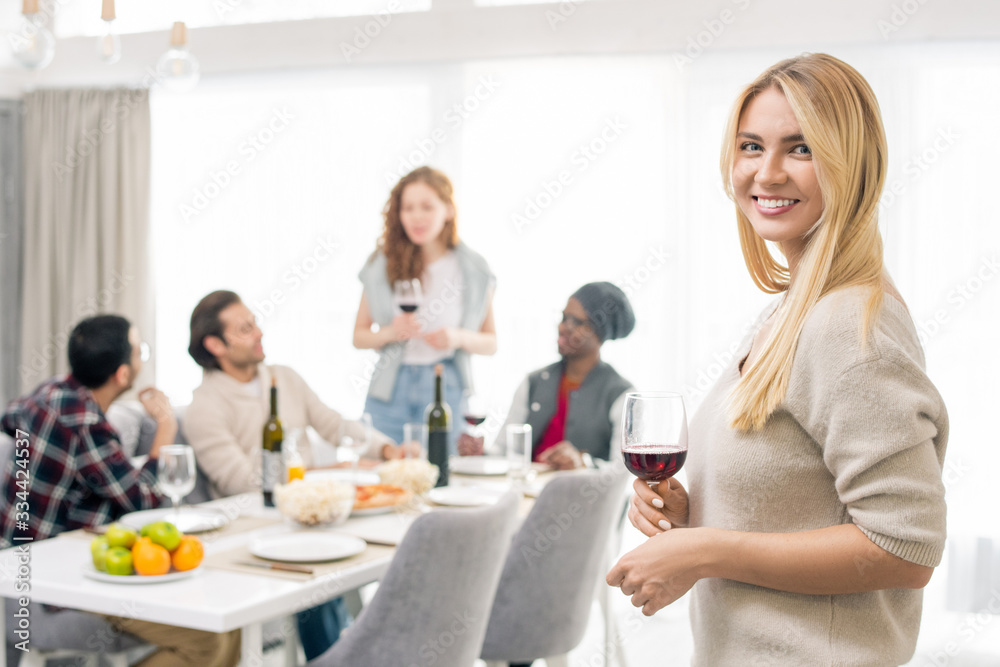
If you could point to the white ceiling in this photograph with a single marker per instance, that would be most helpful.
(260, 35)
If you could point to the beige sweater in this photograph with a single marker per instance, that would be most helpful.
(860, 438)
(225, 421)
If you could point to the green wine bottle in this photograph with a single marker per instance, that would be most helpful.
(271, 462)
(438, 417)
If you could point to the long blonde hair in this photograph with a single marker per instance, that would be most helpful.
(842, 125)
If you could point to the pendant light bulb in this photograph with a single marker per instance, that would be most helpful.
(32, 44)
(177, 69)
(109, 44)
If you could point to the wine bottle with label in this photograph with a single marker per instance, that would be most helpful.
(438, 417)
(271, 464)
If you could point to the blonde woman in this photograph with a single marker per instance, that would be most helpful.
(816, 509)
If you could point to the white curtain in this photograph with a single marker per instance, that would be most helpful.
(86, 212)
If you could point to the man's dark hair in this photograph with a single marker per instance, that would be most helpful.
(98, 346)
(205, 322)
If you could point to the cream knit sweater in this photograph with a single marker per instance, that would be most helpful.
(860, 438)
(224, 424)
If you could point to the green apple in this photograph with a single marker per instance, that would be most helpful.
(165, 534)
(99, 550)
(120, 536)
(118, 561)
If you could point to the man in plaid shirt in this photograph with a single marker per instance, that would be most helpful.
(77, 475)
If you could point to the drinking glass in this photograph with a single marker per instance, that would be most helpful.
(654, 435)
(407, 294)
(474, 412)
(519, 447)
(175, 472)
(357, 447)
(415, 433)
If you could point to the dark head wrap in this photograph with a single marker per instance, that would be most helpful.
(608, 310)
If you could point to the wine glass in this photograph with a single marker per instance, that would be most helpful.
(474, 413)
(654, 435)
(407, 294)
(357, 448)
(175, 472)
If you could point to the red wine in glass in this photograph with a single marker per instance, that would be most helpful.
(474, 420)
(408, 307)
(654, 462)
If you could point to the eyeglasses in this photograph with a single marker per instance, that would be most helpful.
(573, 322)
(144, 352)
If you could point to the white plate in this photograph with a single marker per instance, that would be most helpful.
(307, 547)
(136, 579)
(344, 475)
(464, 496)
(372, 511)
(478, 465)
(188, 520)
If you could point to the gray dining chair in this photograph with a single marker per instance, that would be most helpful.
(555, 562)
(432, 605)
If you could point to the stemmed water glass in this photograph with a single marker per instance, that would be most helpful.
(357, 448)
(407, 294)
(175, 472)
(654, 435)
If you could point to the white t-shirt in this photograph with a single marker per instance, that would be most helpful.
(441, 307)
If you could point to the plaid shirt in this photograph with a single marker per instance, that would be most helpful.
(73, 472)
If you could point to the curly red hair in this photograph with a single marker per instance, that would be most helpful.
(405, 261)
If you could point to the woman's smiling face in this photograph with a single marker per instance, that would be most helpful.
(774, 176)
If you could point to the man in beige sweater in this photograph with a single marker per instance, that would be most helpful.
(229, 409)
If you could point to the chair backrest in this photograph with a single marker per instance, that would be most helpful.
(432, 606)
(543, 601)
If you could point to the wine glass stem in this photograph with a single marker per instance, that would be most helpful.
(177, 504)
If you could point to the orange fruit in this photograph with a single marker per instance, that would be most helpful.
(150, 559)
(189, 554)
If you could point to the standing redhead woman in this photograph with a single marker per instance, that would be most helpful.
(816, 509)
(453, 321)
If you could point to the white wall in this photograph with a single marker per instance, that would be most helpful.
(459, 30)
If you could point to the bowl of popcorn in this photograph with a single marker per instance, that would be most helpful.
(315, 502)
(415, 475)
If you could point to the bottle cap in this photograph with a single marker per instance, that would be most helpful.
(438, 369)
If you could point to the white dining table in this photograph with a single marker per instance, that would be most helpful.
(211, 599)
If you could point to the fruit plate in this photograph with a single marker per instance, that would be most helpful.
(188, 520)
(307, 547)
(136, 579)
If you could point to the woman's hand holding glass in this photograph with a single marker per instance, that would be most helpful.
(654, 510)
